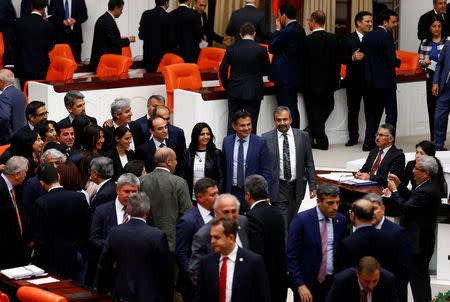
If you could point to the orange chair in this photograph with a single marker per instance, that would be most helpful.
(169, 59)
(208, 58)
(270, 55)
(2, 49)
(126, 51)
(410, 62)
(343, 71)
(113, 66)
(2, 150)
(4, 297)
(35, 294)
(181, 76)
(61, 50)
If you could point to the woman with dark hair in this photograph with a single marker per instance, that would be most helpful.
(80, 123)
(29, 145)
(70, 178)
(429, 50)
(94, 140)
(47, 131)
(121, 153)
(202, 158)
(136, 167)
(84, 167)
(424, 148)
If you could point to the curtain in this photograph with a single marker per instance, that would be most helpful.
(224, 8)
(327, 6)
(358, 6)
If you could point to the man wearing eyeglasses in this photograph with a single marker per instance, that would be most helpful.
(385, 158)
(35, 112)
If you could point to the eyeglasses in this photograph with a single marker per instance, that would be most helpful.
(42, 114)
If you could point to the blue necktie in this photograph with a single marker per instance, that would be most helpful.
(240, 167)
(67, 15)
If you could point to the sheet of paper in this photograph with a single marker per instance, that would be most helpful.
(432, 66)
(203, 44)
(43, 280)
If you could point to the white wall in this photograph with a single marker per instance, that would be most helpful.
(410, 12)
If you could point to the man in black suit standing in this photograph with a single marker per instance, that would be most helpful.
(439, 8)
(354, 79)
(248, 62)
(174, 133)
(419, 209)
(107, 38)
(287, 45)
(154, 31)
(68, 15)
(185, 32)
(207, 26)
(249, 13)
(266, 235)
(7, 27)
(11, 237)
(35, 38)
(152, 102)
(385, 158)
(322, 77)
(135, 264)
(66, 137)
(102, 171)
(380, 78)
(75, 105)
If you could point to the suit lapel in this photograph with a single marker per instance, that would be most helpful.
(237, 267)
(243, 236)
(199, 218)
(249, 152)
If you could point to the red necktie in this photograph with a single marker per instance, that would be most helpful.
(323, 266)
(363, 296)
(223, 280)
(377, 163)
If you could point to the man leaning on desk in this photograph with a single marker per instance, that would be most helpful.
(385, 158)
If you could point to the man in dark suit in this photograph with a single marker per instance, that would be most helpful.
(107, 38)
(34, 113)
(7, 27)
(101, 173)
(35, 38)
(287, 46)
(266, 235)
(385, 158)
(11, 237)
(241, 73)
(206, 192)
(244, 154)
(310, 252)
(367, 280)
(66, 136)
(354, 79)
(185, 32)
(249, 13)
(154, 31)
(12, 107)
(68, 17)
(152, 102)
(292, 165)
(61, 220)
(419, 209)
(174, 133)
(380, 79)
(25, 8)
(135, 264)
(439, 8)
(75, 105)
(207, 26)
(322, 77)
(231, 273)
(224, 205)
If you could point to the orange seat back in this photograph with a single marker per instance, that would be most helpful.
(126, 51)
(181, 76)
(343, 71)
(2, 49)
(113, 66)
(270, 55)
(35, 294)
(4, 148)
(61, 50)
(4, 297)
(410, 62)
(208, 58)
(169, 59)
(61, 69)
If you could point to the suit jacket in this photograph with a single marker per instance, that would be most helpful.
(345, 287)
(442, 68)
(423, 27)
(304, 164)
(175, 133)
(250, 14)
(61, 220)
(304, 247)
(135, 264)
(380, 59)
(106, 40)
(323, 63)
(136, 132)
(208, 30)
(355, 69)
(393, 162)
(7, 26)
(67, 119)
(287, 47)
(185, 31)
(35, 38)
(147, 150)
(213, 168)
(12, 113)
(25, 8)
(266, 238)
(106, 193)
(248, 62)
(32, 190)
(154, 31)
(117, 164)
(201, 245)
(250, 283)
(78, 12)
(170, 200)
(14, 252)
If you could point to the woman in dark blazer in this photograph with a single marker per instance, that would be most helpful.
(121, 152)
(202, 158)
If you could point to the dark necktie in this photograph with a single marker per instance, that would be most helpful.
(363, 296)
(162, 145)
(223, 280)
(377, 163)
(286, 159)
(240, 167)
(67, 15)
(212, 214)
(324, 240)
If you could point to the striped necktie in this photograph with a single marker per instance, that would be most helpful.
(125, 217)
(19, 221)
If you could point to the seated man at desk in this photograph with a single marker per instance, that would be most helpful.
(385, 158)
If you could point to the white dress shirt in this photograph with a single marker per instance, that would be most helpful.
(158, 144)
(256, 202)
(231, 261)
(101, 185)
(318, 29)
(119, 211)
(292, 153)
(380, 224)
(10, 187)
(330, 240)
(360, 35)
(235, 156)
(198, 169)
(369, 294)
(132, 147)
(123, 160)
(206, 215)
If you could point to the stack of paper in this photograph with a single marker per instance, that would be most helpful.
(23, 272)
(346, 178)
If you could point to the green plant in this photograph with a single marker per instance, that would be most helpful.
(441, 297)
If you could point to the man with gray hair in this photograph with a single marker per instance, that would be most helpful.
(419, 208)
(102, 171)
(12, 107)
(13, 252)
(75, 105)
(136, 254)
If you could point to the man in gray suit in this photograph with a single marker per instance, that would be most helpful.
(225, 205)
(168, 193)
(292, 164)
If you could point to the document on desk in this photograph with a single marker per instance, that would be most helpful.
(347, 179)
(43, 280)
(23, 272)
